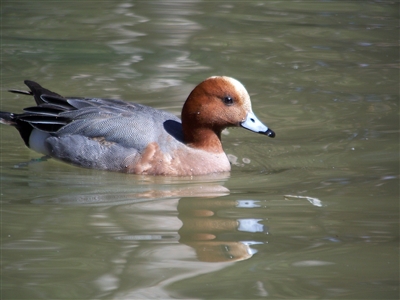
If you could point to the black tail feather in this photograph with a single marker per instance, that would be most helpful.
(21, 92)
(49, 110)
(44, 116)
(37, 91)
(23, 128)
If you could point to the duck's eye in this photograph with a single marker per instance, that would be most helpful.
(228, 100)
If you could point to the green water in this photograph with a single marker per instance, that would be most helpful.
(313, 213)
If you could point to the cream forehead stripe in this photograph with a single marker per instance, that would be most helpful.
(240, 90)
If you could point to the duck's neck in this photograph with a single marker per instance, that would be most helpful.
(204, 139)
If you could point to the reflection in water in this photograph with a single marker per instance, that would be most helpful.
(112, 189)
(153, 237)
(175, 237)
(163, 26)
(140, 233)
(214, 236)
(215, 228)
(314, 201)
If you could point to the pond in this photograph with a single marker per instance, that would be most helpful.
(313, 213)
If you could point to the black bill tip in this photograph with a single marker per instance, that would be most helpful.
(270, 133)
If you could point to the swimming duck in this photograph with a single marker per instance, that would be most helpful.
(115, 135)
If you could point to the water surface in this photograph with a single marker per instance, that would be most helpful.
(313, 213)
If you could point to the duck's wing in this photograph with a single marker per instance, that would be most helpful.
(127, 124)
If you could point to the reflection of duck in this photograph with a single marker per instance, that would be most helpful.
(120, 136)
(216, 238)
(217, 228)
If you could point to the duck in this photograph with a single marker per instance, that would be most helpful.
(120, 136)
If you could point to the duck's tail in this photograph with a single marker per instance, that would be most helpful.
(11, 119)
(23, 128)
(44, 116)
(36, 90)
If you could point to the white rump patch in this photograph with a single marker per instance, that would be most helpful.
(37, 141)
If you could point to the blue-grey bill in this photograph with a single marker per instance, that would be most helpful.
(254, 124)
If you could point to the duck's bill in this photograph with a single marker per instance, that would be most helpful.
(254, 124)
